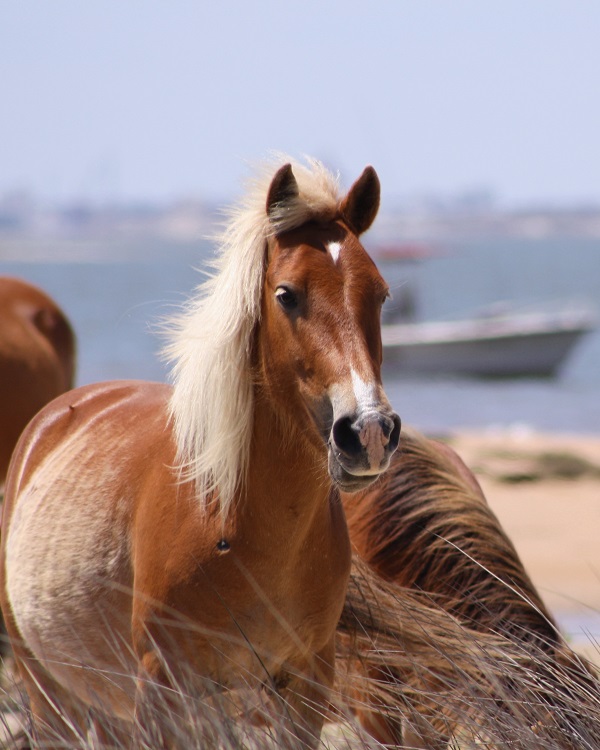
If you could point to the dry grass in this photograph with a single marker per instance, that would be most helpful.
(399, 651)
(491, 690)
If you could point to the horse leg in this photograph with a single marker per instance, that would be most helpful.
(152, 704)
(171, 709)
(304, 700)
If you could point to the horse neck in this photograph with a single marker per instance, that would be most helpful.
(287, 474)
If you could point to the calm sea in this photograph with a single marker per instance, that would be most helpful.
(118, 296)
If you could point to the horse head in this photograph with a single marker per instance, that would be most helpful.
(319, 343)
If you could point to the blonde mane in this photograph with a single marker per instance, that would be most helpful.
(211, 340)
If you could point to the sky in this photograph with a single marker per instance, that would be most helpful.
(159, 100)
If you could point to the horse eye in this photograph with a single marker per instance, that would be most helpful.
(286, 298)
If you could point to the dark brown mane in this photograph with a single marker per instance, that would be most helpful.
(429, 529)
(426, 530)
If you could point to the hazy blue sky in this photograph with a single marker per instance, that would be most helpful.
(155, 99)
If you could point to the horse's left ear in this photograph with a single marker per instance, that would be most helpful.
(359, 208)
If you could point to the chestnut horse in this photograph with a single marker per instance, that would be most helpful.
(426, 526)
(156, 535)
(37, 358)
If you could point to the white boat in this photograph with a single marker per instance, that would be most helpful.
(497, 345)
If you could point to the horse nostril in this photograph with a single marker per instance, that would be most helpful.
(394, 435)
(390, 430)
(351, 437)
(387, 427)
(346, 437)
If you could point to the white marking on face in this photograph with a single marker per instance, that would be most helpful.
(334, 250)
(371, 436)
(365, 393)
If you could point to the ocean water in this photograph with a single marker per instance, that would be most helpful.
(117, 293)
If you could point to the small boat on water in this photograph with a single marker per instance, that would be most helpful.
(495, 345)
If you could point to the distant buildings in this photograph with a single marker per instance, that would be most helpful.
(472, 214)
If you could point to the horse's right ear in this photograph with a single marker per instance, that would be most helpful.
(283, 188)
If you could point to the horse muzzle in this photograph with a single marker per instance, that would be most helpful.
(360, 448)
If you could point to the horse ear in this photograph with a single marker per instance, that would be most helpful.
(359, 208)
(283, 188)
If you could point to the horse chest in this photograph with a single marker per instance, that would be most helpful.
(261, 600)
(262, 629)
(253, 591)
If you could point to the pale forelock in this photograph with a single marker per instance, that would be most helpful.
(211, 340)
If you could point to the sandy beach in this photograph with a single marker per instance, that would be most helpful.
(545, 489)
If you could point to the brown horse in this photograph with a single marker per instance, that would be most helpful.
(426, 526)
(194, 535)
(37, 358)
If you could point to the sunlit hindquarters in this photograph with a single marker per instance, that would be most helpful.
(159, 536)
(37, 358)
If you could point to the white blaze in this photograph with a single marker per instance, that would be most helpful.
(365, 393)
(371, 436)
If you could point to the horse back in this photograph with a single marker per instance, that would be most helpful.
(100, 426)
